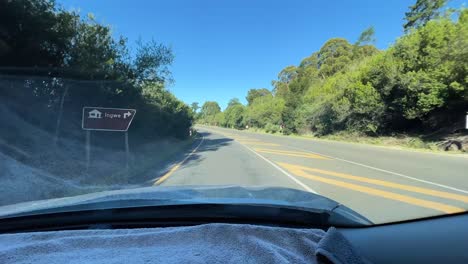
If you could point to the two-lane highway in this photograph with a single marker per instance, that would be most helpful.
(380, 183)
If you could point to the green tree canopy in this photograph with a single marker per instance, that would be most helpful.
(194, 106)
(423, 73)
(421, 12)
(234, 116)
(265, 110)
(418, 84)
(52, 50)
(255, 93)
(366, 37)
(233, 102)
(334, 56)
(210, 108)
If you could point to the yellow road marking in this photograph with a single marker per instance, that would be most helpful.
(177, 166)
(291, 153)
(296, 170)
(259, 143)
(247, 140)
(286, 151)
(447, 195)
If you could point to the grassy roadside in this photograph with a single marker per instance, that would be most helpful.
(35, 165)
(150, 161)
(400, 141)
(407, 142)
(24, 180)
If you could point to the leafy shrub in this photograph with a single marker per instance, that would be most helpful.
(271, 128)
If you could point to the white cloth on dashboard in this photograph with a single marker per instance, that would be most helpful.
(210, 243)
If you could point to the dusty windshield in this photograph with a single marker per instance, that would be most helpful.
(363, 103)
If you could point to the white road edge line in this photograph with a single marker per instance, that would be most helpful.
(386, 171)
(307, 188)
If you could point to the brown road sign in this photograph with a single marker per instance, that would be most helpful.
(107, 119)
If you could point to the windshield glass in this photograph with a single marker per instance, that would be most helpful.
(363, 103)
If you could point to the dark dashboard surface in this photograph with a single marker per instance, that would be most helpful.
(437, 240)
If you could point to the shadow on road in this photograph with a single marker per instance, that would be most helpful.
(213, 144)
(209, 144)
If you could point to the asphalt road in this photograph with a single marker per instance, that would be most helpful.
(383, 184)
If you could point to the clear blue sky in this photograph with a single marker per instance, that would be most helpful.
(223, 48)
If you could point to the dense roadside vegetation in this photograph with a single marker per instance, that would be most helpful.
(416, 86)
(53, 62)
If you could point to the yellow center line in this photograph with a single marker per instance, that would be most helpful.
(375, 192)
(447, 195)
(259, 143)
(291, 153)
(284, 151)
(177, 166)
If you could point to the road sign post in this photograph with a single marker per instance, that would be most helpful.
(107, 119)
(59, 118)
(127, 152)
(88, 149)
(466, 121)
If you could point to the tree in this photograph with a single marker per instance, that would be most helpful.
(366, 37)
(35, 33)
(311, 61)
(364, 45)
(265, 110)
(233, 102)
(421, 79)
(210, 108)
(194, 106)
(219, 120)
(255, 93)
(234, 116)
(287, 74)
(334, 56)
(62, 55)
(163, 114)
(419, 84)
(422, 12)
(152, 60)
(94, 54)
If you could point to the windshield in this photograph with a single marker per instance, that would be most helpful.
(363, 103)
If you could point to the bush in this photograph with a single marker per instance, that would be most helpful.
(271, 128)
(264, 110)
